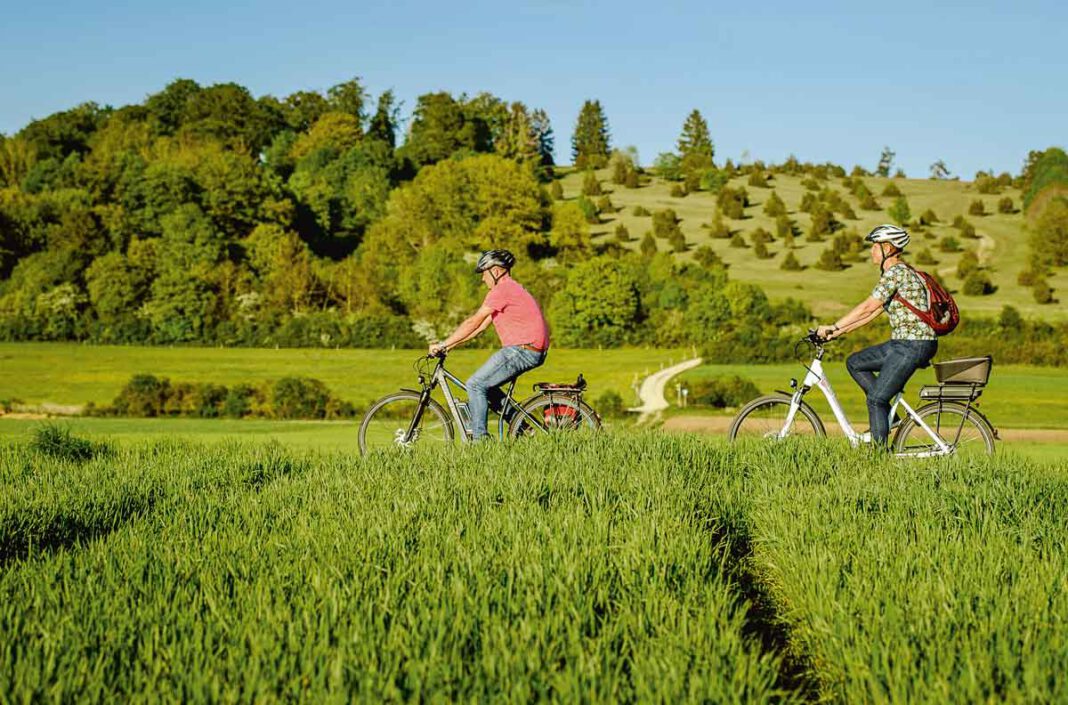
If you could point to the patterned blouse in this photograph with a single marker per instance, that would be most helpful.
(904, 324)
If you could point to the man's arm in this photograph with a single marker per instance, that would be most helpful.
(861, 315)
(467, 330)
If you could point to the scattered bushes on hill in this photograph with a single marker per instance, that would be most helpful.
(622, 234)
(678, 191)
(868, 203)
(665, 223)
(718, 228)
(900, 212)
(737, 240)
(589, 210)
(733, 201)
(925, 257)
(830, 260)
(949, 244)
(1042, 291)
(590, 185)
(707, 257)
(648, 245)
(1005, 205)
(968, 263)
(977, 207)
(774, 206)
(891, 191)
(146, 395)
(640, 211)
(758, 179)
(928, 217)
(604, 204)
(790, 263)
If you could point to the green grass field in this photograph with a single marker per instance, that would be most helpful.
(1002, 245)
(64, 373)
(608, 568)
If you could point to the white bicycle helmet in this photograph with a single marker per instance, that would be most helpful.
(898, 237)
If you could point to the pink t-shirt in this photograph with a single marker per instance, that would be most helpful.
(516, 315)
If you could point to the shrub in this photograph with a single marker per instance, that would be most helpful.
(968, 230)
(143, 396)
(928, 217)
(808, 202)
(604, 205)
(299, 398)
(891, 191)
(758, 179)
(868, 203)
(610, 405)
(665, 223)
(790, 263)
(723, 392)
(810, 184)
(718, 228)
(1027, 277)
(830, 261)
(648, 245)
(760, 235)
(677, 240)
(707, 257)
(589, 210)
(733, 202)
(968, 263)
(1042, 291)
(958, 221)
(678, 191)
(640, 211)
(900, 212)
(774, 206)
(1005, 205)
(949, 244)
(58, 442)
(556, 191)
(590, 185)
(986, 183)
(761, 250)
(977, 207)
(714, 180)
(977, 284)
(738, 241)
(632, 180)
(925, 257)
(622, 234)
(784, 227)
(238, 401)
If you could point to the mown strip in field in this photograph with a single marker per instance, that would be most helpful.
(607, 569)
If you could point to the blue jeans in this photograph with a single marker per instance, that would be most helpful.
(895, 361)
(483, 388)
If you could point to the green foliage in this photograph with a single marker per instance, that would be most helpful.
(624, 170)
(723, 392)
(949, 244)
(590, 185)
(1046, 172)
(604, 205)
(977, 283)
(599, 304)
(590, 140)
(678, 191)
(968, 263)
(570, 235)
(886, 161)
(695, 146)
(774, 206)
(830, 261)
(760, 250)
(718, 228)
(640, 211)
(668, 165)
(737, 240)
(899, 212)
(977, 207)
(648, 245)
(790, 262)
(589, 210)
(58, 442)
(707, 257)
(732, 202)
(925, 257)
(1005, 205)
(891, 191)
(868, 203)
(610, 405)
(622, 235)
(1042, 291)
(665, 223)
(713, 180)
(1049, 240)
(758, 179)
(928, 217)
(441, 127)
(556, 190)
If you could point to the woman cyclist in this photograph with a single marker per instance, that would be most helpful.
(882, 370)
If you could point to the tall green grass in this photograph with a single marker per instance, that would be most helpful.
(602, 569)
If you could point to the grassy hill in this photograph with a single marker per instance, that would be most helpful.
(1001, 243)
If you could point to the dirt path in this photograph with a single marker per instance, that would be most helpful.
(652, 390)
(721, 424)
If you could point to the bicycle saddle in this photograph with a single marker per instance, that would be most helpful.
(578, 386)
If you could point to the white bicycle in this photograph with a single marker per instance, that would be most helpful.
(949, 424)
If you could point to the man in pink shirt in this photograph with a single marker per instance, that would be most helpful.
(521, 327)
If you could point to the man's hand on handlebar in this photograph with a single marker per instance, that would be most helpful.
(437, 350)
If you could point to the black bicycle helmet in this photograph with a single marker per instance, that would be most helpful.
(495, 258)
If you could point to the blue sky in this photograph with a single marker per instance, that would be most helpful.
(975, 86)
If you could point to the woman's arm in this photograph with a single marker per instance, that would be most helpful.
(861, 315)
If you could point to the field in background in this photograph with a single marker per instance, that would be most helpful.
(69, 373)
(612, 568)
(1002, 247)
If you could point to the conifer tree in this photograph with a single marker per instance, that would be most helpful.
(543, 131)
(790, 263)
(695, 145)
(648, 246)
(383, 125)
(517, 139)
(590, 143)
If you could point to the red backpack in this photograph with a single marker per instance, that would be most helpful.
(941, 314)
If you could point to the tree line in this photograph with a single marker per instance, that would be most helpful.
(205, 215)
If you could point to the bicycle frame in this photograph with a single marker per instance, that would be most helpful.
(444, 379)
(816, 378)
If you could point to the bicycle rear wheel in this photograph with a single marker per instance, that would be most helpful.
(765, 417)
(388, 424)
(964, 430)
(554, 414)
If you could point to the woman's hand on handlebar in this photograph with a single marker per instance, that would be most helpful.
(827, 332)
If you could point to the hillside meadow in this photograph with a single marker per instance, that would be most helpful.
(1002, 243)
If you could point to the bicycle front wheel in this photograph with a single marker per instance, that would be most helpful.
(963, 430)
(554, 414)
(766, 417)
(388, 424)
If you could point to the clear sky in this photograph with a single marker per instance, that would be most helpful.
(976, 86)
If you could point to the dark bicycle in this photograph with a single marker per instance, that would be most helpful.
(411, 416)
